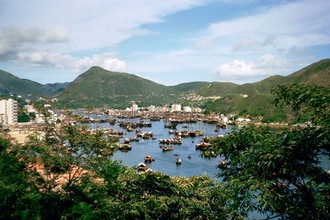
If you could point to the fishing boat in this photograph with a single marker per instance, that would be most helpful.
(196, 133)
(148, 159)
(202, 146)
(167, 148)
(141, 167)
(124, 147)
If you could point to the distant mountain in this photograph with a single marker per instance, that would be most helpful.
(259, 97)
(317, 73)
(98, 87)
(56, 88)
(10, 84)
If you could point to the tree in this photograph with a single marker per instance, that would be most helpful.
(277, 172)
(18, 192)
(23, 117)
(312, 102)
(64, 155)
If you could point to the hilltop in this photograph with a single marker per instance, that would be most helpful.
(98, 87)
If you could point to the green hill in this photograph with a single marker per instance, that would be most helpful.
(10, 84)
(101, 88)
(317, 73)
(216, 89)
(98, 87)
(259, 97)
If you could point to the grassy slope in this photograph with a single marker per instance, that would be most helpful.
(190, 86)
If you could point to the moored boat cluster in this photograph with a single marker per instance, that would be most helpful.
(138, 123)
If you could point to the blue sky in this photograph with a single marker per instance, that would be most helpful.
(168, 42)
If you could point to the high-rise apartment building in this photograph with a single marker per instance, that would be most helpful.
(8, 112)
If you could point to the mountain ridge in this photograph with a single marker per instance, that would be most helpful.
(11, 84)
(258, 99)
(98, 87)
(317, 73)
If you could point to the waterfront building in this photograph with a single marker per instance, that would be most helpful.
(197, 110)
(187, 109)
(135, 107)
(176, 108)
(151, 108)
(224, 119)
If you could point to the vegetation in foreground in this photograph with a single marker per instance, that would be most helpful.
(276, 173)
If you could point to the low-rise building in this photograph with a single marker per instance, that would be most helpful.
(176, 108)
(187, 109)
(197, 110)
(30, 109)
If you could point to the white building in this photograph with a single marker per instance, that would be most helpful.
(152, 108)
(135, 107)
(30, 108)
(176, 108)
(40, 118)
(224, 119)
(197, 110)
(8, 111)
(187, 109)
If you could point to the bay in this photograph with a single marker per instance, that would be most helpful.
(165, 162)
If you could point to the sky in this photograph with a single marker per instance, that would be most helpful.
(169, 42)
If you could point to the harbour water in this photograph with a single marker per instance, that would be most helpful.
(165, 161)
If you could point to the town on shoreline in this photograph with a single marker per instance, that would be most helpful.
(171, 116)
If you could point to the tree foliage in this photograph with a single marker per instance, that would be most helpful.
(277, 172)
(311, 101)
(67, 174)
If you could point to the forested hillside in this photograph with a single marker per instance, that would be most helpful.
(10, 84)
(98, 87)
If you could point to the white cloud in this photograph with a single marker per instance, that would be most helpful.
(237, 68)
(105, 60)
(244, 44)
(17, 38)
(267, 41)
(19, 33)
(84, 26)
(259, 45)
(250, 70)
(300, 23)
(249, 48)
(95, 24)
